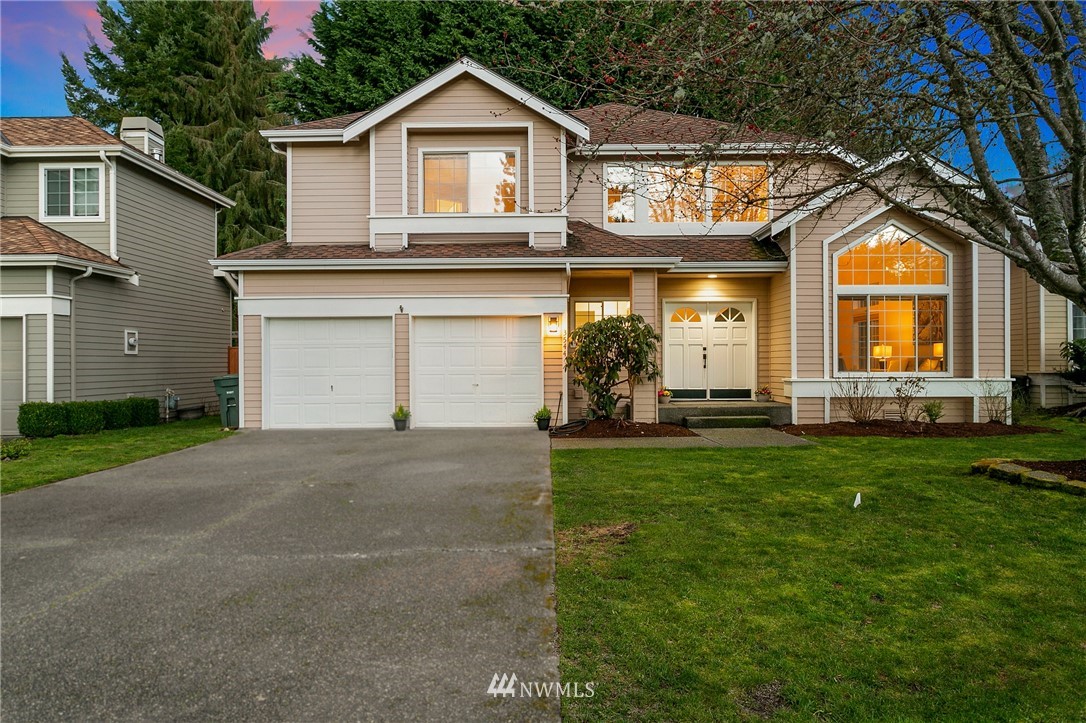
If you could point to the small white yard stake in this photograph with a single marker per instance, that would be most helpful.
(857, 502)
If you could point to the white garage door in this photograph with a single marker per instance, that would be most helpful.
(329, 373)
(477, 371)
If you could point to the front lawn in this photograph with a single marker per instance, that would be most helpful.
(716, 584)
(59, 458)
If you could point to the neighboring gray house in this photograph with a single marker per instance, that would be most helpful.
(105, 290)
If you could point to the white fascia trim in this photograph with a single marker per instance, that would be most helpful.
(229, 278)
(307, 307)
(66, 262)
(701, 267)
(454, 71)
(302, 136)
(612, 149)
(126, 152)
(586, 262)
(470, 223)
(290, 194)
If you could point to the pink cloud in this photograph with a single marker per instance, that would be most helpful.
(290, 20)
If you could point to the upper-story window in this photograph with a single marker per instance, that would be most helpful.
(72, 193)
(892, 294)
(641, 193)
(469, 182)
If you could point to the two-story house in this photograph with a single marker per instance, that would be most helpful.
(440, 248)
(105, 291)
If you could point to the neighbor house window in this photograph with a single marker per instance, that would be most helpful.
(669, 194)
(72, 192)
(891, 307)
(588, 311)
(1078, 323)
(470, 182)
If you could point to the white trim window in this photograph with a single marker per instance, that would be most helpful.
(1078, 323)
(72, 192)
(475, 181)
(589, 310)
(892, 296)
(665, 198)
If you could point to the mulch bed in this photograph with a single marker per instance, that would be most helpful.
(611, 428)
(1071, 469)
(890, 428)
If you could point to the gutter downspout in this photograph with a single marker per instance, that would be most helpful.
(112, 204)
(71, 331)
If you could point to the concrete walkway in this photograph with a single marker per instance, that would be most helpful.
(707, 438)
(298, 576)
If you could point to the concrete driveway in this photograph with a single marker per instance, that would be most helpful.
(286, 575)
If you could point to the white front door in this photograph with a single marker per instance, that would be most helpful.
(329, 373)
(477, 371)
(709, 350)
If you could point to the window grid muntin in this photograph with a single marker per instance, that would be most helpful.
(459, 194)
(589, 310)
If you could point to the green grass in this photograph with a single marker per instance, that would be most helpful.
(943, 596)
(59, 458)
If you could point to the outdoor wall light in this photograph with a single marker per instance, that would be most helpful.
(552, 325)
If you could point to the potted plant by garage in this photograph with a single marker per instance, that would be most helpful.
(664, 395)
(400, 417)
(542, 419)
(764, 394)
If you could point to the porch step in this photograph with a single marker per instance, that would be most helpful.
(729, 422)
(676, 412)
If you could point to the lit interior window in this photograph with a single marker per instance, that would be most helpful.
(621, 194)
(589, 311)
(675, 194)
(740, 193)
(473, 182)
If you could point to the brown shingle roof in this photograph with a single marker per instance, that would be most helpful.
(64, 131)
(22, 235)
(583, 241)
(621, 123)
(337, 123)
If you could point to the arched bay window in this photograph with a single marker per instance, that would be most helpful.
(892, 293)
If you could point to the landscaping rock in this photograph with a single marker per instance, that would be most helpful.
(1074, 487)
(1008, 472)
(1044, 480)
(981, 466)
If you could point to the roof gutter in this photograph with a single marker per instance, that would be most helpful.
(70, 262)
(599, 262)
(700, 267)
(112, 204)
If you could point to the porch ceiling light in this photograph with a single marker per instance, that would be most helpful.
(713, 276)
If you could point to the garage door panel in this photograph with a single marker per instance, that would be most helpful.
(330, 372)
(490, 371)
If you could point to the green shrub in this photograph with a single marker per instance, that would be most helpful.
(116, 413)
(14, 448)
(84, 417)
(933, 410)
(144, 411)
(42, 419)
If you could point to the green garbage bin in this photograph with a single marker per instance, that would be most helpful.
(226, 387)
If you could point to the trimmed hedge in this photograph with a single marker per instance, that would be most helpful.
(85, 417)
(48, 419)
(42, 419)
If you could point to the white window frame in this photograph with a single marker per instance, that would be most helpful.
(448, 151)
(1071, 309)
(640, 226)
(915, 290)
(594, 300)
(43, 194)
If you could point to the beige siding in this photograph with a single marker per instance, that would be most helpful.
(645, 301)
(251, 370)
(36, 361)
(553, 374)
(584, 186)
(810, 410)
(182, 313)
(1055, 330)
(21, 184)
(465, 100)
(330, 192)
(991, 266)
(1020, 321)
(402, 330)
(544, 241)
(778, 346)
(401, 283)
(22, 281)
(955, 409)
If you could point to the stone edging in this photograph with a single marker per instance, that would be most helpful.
(1016, 474)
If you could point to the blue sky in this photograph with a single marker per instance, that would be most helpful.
(33, 34)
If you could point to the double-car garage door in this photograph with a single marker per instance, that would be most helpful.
(465, 371)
